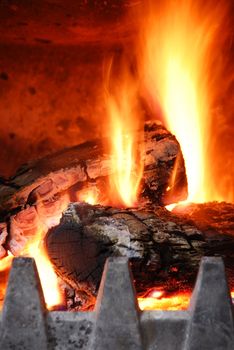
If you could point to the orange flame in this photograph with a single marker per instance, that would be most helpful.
(180, 48)
(124, 118)
(89, 195)
(49, 215)
(123, 159)
(48, 278)
(34, 248)
(5, 263)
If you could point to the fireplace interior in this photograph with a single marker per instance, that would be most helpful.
(116, 174)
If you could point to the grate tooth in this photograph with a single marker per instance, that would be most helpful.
(23, 315)
(117, 312)
(211, 325)
(115, 323)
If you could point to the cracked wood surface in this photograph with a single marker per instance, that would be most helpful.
(164, 249)
(89, 164)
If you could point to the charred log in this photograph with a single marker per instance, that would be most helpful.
(216, 221)
(213, 218)
(88, 164)
(164, 250)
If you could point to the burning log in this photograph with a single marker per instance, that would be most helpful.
(89, 166)
(163, 248)
(32, 201)
(214, 218)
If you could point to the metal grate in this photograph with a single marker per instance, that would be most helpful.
(116, 322)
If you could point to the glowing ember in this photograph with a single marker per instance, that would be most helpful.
(180, 48)
(158, 300)
(178, 301)
(157, 294)
(124, 117)
(89, 195)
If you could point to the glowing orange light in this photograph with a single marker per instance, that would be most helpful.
(124, 117)
(158, 300)
(123, 162)
(178, 301)
(89, 195)
(180, 45)
(47, 275)
(5, 263)
(48, 278)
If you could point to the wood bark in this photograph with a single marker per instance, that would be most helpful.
(89, 164)
(164, 249)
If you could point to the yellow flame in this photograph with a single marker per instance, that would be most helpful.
(48, 278)
(5, 263)
(34, 248)
(178, 54)
(89, 195)
(124, 119)
(123, 161)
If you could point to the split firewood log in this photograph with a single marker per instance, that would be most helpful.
(164, 249)
(32, 223)
(89, 164)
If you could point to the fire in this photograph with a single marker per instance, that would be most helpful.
(48, 278)
(124, 117)
(178, 50)
(123, 159)
(158, 301)
(181, 50)
(89, 195)
(5, 263)
(33, 223)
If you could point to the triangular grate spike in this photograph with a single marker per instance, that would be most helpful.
(117, 323)
(211, 326)
(23, 315)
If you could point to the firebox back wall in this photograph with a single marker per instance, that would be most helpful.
(50, 98)
(51, 54)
